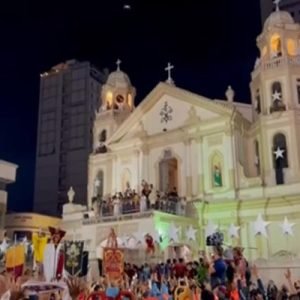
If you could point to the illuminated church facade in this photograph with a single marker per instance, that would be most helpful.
(232, 161)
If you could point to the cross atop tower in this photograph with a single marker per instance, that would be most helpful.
(276, 2)
(118, 63)
(169, 70)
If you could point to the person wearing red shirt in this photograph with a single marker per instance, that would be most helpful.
(180, 269)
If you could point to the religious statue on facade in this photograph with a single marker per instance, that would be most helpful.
(97, 184)
(71, 195)
(230, 94)
(217, 176)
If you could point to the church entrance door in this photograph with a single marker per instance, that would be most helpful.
(168, 175)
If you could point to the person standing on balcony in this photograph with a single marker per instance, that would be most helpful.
(152, 197)
(116, 205)
(182, 206)
(143, 203)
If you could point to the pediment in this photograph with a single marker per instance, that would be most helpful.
(168, 108)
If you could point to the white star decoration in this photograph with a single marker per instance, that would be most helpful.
(139, 237)
(287, 227)
(276, 96)
(259, 226)
(191, 233)
(278, 153)
(210, 229)
(173, 233)
(233, 231)
(124, 241)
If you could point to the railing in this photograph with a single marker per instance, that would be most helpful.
(109, 213)
(276, 63)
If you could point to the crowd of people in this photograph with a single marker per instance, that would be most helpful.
(218, 276)
(130, 201)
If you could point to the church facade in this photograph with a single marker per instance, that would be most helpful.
(231, 161)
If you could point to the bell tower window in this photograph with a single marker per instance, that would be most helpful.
(277, 104)
(102, 139)
(103, 136)
(108, 100)
(275, 45)
(280, 156)
(257, 158)
(129, 100)
(257, 102)
(298, 90)
(291, 46)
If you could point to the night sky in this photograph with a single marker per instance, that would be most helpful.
(211, 43)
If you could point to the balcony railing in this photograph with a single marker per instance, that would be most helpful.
(275, 63)
(128, 211)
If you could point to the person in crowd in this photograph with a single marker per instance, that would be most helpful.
(218, 267)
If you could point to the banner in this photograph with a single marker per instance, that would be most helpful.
(73, 257)
(39, 244)
(15, 259)
(113, 263)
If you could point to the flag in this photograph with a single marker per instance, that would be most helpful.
(73, 257)
(39, 243)
(15, 259)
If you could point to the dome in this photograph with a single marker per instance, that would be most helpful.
(118, 79)
(278, 17)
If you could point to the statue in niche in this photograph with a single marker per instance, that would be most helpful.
(217, 176)
(217, 179)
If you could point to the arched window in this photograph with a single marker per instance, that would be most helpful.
(102, 137)
(280, 154)
(291, 46)
(257, 157)
(298, 89)
(98, 185)
(277, 96)
(275, 45)
(257, 101)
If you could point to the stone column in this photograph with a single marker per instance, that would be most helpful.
(188, 168)
(200, 166)
(114, 186)
(194, 157)
(138, 173)
(145, 164)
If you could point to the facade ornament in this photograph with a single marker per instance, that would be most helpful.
(230, 94)
(71, 195)
(276, 2)
(169, 70)
(118, 63)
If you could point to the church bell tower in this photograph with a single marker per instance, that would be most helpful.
(275, 90)
(117, 103)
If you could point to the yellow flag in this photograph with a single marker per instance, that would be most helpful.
(39, 244)
(15, 256)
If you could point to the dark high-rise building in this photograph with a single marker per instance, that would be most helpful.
(69, 96)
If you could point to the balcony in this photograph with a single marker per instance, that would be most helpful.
(278, 62)
(129, 211)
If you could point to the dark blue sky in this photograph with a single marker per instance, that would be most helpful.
(211, 43)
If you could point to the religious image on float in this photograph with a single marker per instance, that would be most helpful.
(73, 257)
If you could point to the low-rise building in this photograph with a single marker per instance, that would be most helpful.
(19, 225)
